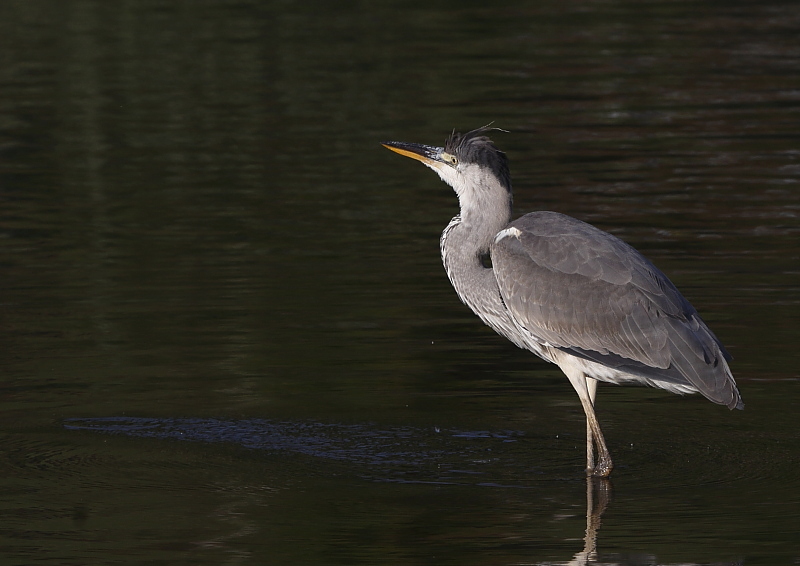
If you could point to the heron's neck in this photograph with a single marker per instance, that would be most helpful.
(465, 254)
(485, 207)
(485, 210)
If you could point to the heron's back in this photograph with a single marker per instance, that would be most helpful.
(587, 293)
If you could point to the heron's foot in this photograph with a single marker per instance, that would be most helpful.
(602, 468)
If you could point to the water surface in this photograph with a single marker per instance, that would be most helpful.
(226, 333)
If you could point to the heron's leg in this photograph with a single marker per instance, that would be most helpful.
(580, 383)
(591, 388)
(604, 464)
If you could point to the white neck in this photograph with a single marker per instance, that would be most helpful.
(485, 210)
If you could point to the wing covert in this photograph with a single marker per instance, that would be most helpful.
(579, 288)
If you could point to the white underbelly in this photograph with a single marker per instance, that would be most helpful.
(610, 375)
(600, 372)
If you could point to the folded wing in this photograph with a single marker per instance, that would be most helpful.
(590, 294)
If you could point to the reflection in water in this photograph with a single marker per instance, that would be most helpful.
(393, 451)
(598, 493)
(594, 513)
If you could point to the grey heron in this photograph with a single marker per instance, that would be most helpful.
(570, 293)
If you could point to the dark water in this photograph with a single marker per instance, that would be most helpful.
(226, 335)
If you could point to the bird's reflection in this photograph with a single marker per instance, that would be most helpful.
(598, 493)
(405, 455)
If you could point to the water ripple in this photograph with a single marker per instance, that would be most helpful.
(452, 455)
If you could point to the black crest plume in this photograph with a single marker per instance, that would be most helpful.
(475, 147)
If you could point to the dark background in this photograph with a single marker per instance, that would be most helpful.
(226, 334)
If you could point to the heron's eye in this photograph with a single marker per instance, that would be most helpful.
(449, 158)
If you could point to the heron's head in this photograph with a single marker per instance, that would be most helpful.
(470, 163)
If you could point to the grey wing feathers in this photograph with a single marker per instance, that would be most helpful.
(588, 293)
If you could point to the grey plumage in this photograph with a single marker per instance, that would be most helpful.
(569, 292)
(591, 295)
